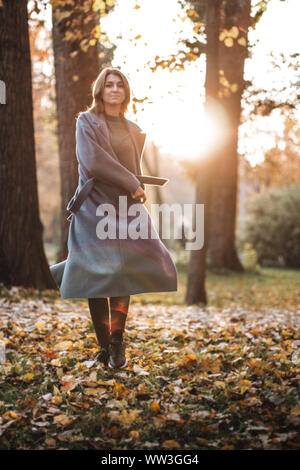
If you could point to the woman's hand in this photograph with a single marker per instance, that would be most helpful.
(139, 194)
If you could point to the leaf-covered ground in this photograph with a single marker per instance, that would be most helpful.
(214, 378)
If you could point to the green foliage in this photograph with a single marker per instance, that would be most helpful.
(273, 226)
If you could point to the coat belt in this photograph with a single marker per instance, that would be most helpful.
(76, 201)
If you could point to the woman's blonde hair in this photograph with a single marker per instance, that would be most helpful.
(98, 86)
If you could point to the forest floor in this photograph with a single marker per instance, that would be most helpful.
(224, 376)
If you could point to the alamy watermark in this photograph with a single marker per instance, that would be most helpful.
(2, 92)
(140, 225)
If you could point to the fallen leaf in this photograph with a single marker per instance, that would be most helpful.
(28, 377)
(139, 370)
(63, 346)
(62, 420)
(94, 391)
(10, 415)
(170, 444)
(50, 442)
(295, 410)
(155, 407)
(120, 390)
(126, 417)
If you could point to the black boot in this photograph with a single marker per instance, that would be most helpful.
(116, 352)
(99, 310)
(116, 349)
(103, 356)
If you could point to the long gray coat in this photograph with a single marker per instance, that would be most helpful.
(97, 267)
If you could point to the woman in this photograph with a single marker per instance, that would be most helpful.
(107, 270)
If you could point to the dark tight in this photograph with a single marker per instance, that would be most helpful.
(99, 310)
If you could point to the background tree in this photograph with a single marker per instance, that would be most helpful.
(280, 166)
(45, 129)
(78, 61)
(197, 266)
(232, 54)
(22, 258)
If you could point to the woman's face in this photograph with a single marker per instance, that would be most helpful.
(114, 91)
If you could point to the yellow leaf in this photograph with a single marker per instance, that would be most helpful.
(57, 400)
(126, 418)
(228, 42)
(219, 383)
(234, 87)
(234, 32)
(252, 363)
(119, 389)
(8, 415)
(56, 390)
(134, 435)
(171, 445)
(28, 377)
(91, 337)
(213, 366)
(62, 420)
(191, 358)
(106, 382)
(98, 5)
(223, 81)
(63, 346)
(242, 42)
(94, 391)
(244, 383)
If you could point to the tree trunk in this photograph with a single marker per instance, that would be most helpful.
(197, 267)
(223, 205)
(22, 257)
(75, 74)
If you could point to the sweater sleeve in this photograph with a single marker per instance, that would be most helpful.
(98, 162)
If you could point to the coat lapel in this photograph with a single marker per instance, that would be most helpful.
(137, 136)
